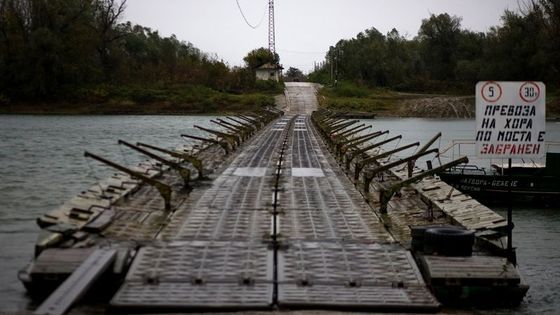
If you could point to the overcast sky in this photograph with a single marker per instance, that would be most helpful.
(304, 28)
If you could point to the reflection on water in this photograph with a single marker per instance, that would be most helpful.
(42, 165)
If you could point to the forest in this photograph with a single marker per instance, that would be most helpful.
(446, 58)
(81, 51)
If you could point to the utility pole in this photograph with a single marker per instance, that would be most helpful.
(271, 30)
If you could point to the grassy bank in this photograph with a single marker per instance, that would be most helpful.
(142, 100)
(349, 97)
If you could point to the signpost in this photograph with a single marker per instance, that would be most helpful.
(510, 123)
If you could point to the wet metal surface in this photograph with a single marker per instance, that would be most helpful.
(216, 250)
(339, 254)
(280, 225)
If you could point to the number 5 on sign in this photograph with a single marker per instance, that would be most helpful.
(491, 91)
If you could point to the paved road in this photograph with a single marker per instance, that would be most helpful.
(301, 98)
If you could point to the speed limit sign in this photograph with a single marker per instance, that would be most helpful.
(510, 119)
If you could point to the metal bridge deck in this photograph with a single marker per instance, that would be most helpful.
(280, 226)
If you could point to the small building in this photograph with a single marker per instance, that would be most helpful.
(269, 71)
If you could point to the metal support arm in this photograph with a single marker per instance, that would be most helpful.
(349, 131)
(187, 157)
(371, 174)
(247, 129)
(356, 153)
(164, 189)
(233, 140)
(257, 123)
(183, 172)
(343, 126)
(385, 195)
(252, 127)
(358, 141)
(240, 134)
(363, 163)
(223, 144)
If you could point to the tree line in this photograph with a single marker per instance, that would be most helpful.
(446, 57)
(52, 49)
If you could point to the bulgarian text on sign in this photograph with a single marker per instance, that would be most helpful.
(510, 119)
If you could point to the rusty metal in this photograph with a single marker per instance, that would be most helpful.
(255, 122)
(344, 133)
(246, 125)
(241, 134)
(429, 143)
(197, 163)
(360, 165)
(183, 172)
(224, 145)
(164, 189)
(333, 141)
(221, 124)
(337, 144)
(385, 194)
(233, 140)
(350, 157)
(338, 123)
(371, 174)
(246, 129)
(345, 146)
(343, 126)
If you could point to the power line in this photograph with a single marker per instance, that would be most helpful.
(245, 18)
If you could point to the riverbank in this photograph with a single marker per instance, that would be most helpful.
(387, 103)
(161, 108)
(202, 101)
(140, 100)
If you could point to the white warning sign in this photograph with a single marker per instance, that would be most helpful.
(510, 119)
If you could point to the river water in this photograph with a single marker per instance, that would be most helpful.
(42, 165)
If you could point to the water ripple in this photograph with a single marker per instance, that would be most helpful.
(42, 165)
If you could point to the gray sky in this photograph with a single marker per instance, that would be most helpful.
(304, 28)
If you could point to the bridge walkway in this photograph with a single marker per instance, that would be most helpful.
(279, 227)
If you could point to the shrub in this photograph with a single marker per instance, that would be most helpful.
(4, 100)
(346, 89)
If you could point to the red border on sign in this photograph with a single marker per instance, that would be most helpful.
(535, 85)
(492, 100)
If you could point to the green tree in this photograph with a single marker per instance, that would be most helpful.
(258, 57)
(439, 37)
(294, 75)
